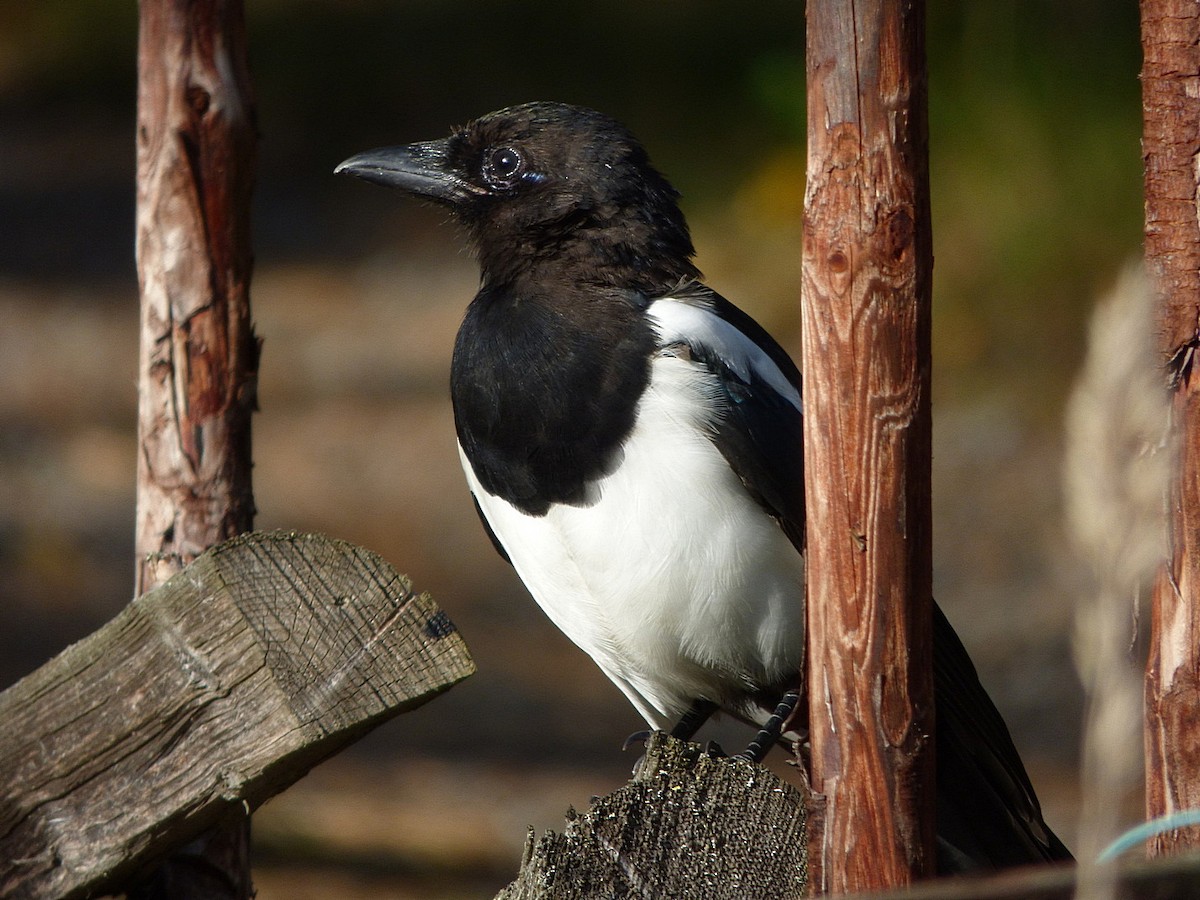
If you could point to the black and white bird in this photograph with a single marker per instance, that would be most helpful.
(632, 441)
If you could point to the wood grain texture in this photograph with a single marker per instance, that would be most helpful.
(1171, 149)
(867, 266)
(202, 699)
(198, 357)
(687, 827)
(198, 354)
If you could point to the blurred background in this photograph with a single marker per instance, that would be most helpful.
(1035, 119)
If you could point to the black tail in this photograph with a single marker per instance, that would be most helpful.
(988, 813)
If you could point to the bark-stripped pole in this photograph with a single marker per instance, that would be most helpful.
(199, 356)
(866, 351)
(1171, 148)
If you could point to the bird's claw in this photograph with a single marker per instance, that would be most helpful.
(638, 737)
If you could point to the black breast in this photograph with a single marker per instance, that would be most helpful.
(546, 388)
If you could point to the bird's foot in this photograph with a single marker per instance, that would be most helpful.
(712, 749)
(638, 737)
(771, 730)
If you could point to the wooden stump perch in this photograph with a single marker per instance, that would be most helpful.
(687, 826)
(202, 699)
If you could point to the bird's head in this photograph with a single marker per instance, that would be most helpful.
(547, 183)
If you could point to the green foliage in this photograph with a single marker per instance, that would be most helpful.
(1035, 117)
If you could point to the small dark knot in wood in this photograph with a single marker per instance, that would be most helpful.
(198, 99)
(896, 239)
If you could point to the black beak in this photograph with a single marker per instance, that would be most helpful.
(421, 169)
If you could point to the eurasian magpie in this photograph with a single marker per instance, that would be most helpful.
(633, 442)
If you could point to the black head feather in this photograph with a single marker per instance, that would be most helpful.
(549, 185)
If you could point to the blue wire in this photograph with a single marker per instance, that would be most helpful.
(1141, 833)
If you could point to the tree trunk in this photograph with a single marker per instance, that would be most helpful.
(199, 356)
(1170, 146)
(867, 269)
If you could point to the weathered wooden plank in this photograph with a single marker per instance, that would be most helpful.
(202, 699)
(686, 826)
(866, 312)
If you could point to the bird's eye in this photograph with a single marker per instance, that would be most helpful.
(503, 166)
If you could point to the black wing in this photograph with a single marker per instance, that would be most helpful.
(988, 812)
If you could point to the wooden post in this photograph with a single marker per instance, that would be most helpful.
(1170, 147)
(199, 356)
(867, 269)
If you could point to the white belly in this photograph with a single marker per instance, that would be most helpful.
(675, 580)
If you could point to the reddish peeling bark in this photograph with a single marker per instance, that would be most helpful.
(199, 355)
(1171, 148)
(867, 269)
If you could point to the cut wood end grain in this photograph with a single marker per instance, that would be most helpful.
(687, 826)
